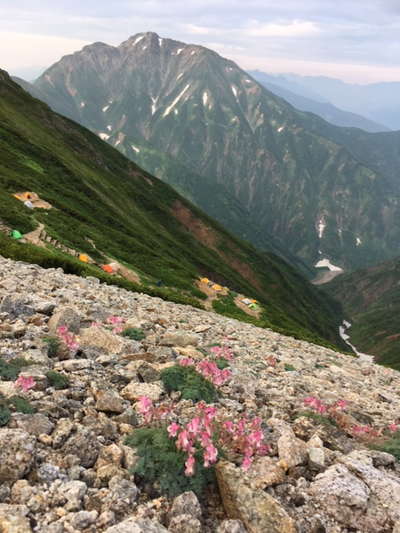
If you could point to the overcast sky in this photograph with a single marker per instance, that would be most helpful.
(355, 40)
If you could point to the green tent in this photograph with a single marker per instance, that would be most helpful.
(15, 234)
(254, 307)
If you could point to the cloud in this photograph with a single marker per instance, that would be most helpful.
(296, 28)
(26, 50)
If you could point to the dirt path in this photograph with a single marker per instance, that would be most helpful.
(34, 236)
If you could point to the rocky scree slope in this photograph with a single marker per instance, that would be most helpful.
(106, 206)
(371, 299)
(311, 184)
(73, 469)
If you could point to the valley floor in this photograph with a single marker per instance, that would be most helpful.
(73, 467)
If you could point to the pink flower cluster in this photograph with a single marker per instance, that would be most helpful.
(222, 352)
(68, 338)
(244, 437)
(209, 370)
(198, 431)
(25, 383)
(319, 407)
(207, 431)
(150, 412)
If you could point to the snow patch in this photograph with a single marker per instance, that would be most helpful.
(247, 80)
(135, 148)
(83, 104)
(109, 127)
(170, 107)
(105, 108)
(160, 41)
(321, 227)
(179, 51)
(281, 129)
(343, 334)
(176, 111)
(104, 136)
(118, 142)
(48, 78)
(358, 241)
(192, 52)
(180, 76)
(234, 90)
(327, 264)
(205, 98)
(144, 47)
(137, 40)
(153, 105)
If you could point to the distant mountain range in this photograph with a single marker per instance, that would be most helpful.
(108, 208)
(325, 110)
(199, 122)
(378, 102)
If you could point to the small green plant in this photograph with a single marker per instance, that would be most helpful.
(21, 405)
(162, 463)
(5, 414)
(289, 368)
(57, 380)
(189, 382)
(135, 334)
(53, 345)
(10, 371)
(390, 445)
(221, 363)
(317, 418)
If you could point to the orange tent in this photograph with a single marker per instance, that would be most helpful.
(84, 258)
(205, 280)
(217, 287)
(108, 268)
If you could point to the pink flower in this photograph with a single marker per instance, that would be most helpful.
(340, 404)
(190, 464)
(210, 455)
(194, 425)
(173, 429)
(393, 427)
(247, 462)
(115, 320)
(187, 361)
(25, 383)
(183, 442)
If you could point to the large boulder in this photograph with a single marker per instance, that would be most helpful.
(255, 508)
(357, 494)
(64, 316)
(17, 454)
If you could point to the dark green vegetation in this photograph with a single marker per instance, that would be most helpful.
(134, 333)
(190, 383)
(14, 404)
(10, 371)
(371, 300)
(53, 345)
(57, 380)
(391, 445)
(105, 205)
(161, 463)
(314, 186)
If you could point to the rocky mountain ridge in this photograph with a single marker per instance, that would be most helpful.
(73, 470)
(109, 210)
(328, 193)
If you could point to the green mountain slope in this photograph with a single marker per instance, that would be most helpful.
(106, 206)
(371, 298)
(308, 183)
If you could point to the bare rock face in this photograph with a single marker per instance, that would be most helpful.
(180, 338)
(13, 519)
(132, 525)
(186, 503)
(231, 526)
(97, 337)
(184, 523)
(133, 391)
(17, 454)
(357, 494)
(255, 508)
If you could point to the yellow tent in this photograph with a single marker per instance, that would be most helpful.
(217, 287)
(84, 258)
(204, 280)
